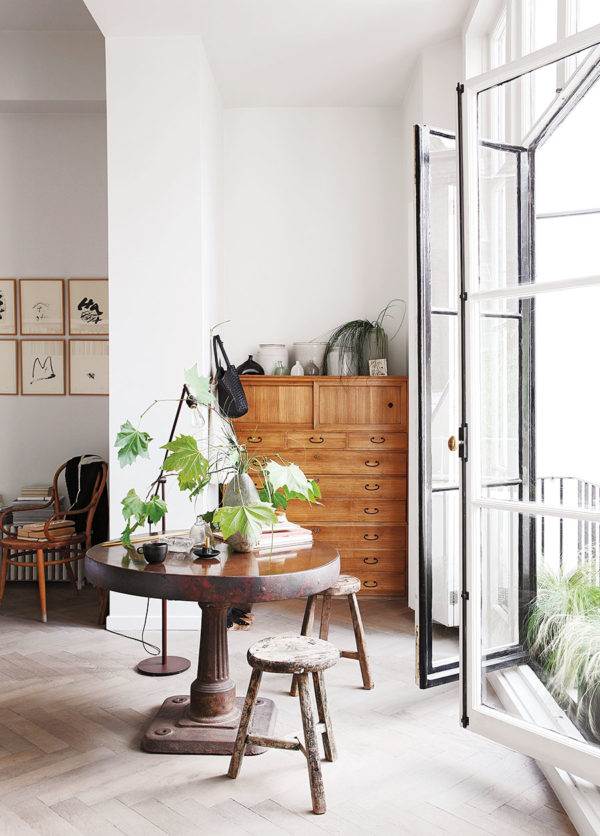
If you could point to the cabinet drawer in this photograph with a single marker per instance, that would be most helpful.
(371, 560)
(356, 536)
(348, 510)
(382, 583)
(377, 441)
(314, 439)
(367, 463)
(257, 440)
(357, 487)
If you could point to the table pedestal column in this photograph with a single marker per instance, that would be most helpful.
(206, 721)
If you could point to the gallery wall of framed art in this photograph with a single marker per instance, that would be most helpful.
(38, 314)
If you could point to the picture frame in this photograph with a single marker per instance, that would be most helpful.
(41, 306)
(42, 367)
(8, 307)
(88, 307)
(88, 367)
(9, 381)
(378, 368)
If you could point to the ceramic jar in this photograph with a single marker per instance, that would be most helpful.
(270, 354)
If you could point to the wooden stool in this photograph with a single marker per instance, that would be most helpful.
(299, 655)
(348, 586)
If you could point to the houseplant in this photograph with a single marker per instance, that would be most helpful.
(563, 636)
(360, 340)
(245, 512)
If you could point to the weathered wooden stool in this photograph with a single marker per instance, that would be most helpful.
(345, 585)
(299, 655)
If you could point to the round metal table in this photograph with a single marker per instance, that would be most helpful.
(205, 721)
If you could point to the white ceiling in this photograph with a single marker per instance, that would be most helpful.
(45, 14)
(288, 53)
(321, 52)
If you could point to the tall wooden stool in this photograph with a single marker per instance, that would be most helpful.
(348, 586)
(299, 655)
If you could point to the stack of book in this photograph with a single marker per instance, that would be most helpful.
(283, 536)
(35, 493)
(59, 529)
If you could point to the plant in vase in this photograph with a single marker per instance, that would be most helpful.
(353, 344)
(245, 512)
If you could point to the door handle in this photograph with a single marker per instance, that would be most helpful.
(374, 488)
(452, 443)
(371, 510)
(375, 464)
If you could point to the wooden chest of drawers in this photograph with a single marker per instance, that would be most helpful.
(351, 435)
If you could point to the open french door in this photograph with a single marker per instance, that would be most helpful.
(528, 303)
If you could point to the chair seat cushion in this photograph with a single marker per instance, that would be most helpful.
(345, 585)
(292, 654)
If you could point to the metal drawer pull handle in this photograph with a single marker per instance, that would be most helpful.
(368, 463)
(374, 488)
(374, 440)
(318, 440)
(371, 510)
(370, 584)
(390, 405)
(317, 480)
(369, 537)
(316, 530)
(254, 439)
(370, 560)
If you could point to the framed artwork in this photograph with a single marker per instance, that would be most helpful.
(88, 367)
(42, 367)
(8, 367)
(88, 306)
(42, 306)
(8, 306)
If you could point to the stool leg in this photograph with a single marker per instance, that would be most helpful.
(325, 616)
(315, 777)
(307, 626)
(239, 748)
(361, 645)
(42, 582)
(323, 710)
(3, 572)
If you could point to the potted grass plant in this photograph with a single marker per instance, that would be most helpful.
(563, 636)
(353, 344)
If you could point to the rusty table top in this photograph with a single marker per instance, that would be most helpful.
(233, 576)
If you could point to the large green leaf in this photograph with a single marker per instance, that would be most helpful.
(291, 481)
(155, 509)
(199, 385)
(187, 461)
(132, 443)
(245, 519)
(133, 506)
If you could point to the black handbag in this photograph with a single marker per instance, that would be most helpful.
(230, 392)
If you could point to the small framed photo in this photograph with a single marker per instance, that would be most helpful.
(378, 368)
(42, 367)
(8, 306)
(42, 306)
(88, 367)
(88, 306)
(8, 368)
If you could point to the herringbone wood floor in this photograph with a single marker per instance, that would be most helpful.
(72, 711)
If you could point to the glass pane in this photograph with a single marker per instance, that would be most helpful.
(588, 14)
(443, 220)
(444, 398)
(553, 345)
(566, 180)
(554, 629)
(445, 541)
(498, 218)
(562, 247)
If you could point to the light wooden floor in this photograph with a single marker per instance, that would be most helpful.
(72, 711)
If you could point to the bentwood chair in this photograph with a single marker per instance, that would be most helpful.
(51, 549)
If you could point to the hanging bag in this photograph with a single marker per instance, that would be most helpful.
(230, 392)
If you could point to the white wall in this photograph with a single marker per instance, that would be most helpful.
(313, 223)
(52, 223)
(430, 100)
(164, 185)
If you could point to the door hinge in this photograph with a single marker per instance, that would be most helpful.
(464, 721)
(453, 597)
(463, 442)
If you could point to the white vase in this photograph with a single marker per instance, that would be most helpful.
(269, 355)
(338, 366)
